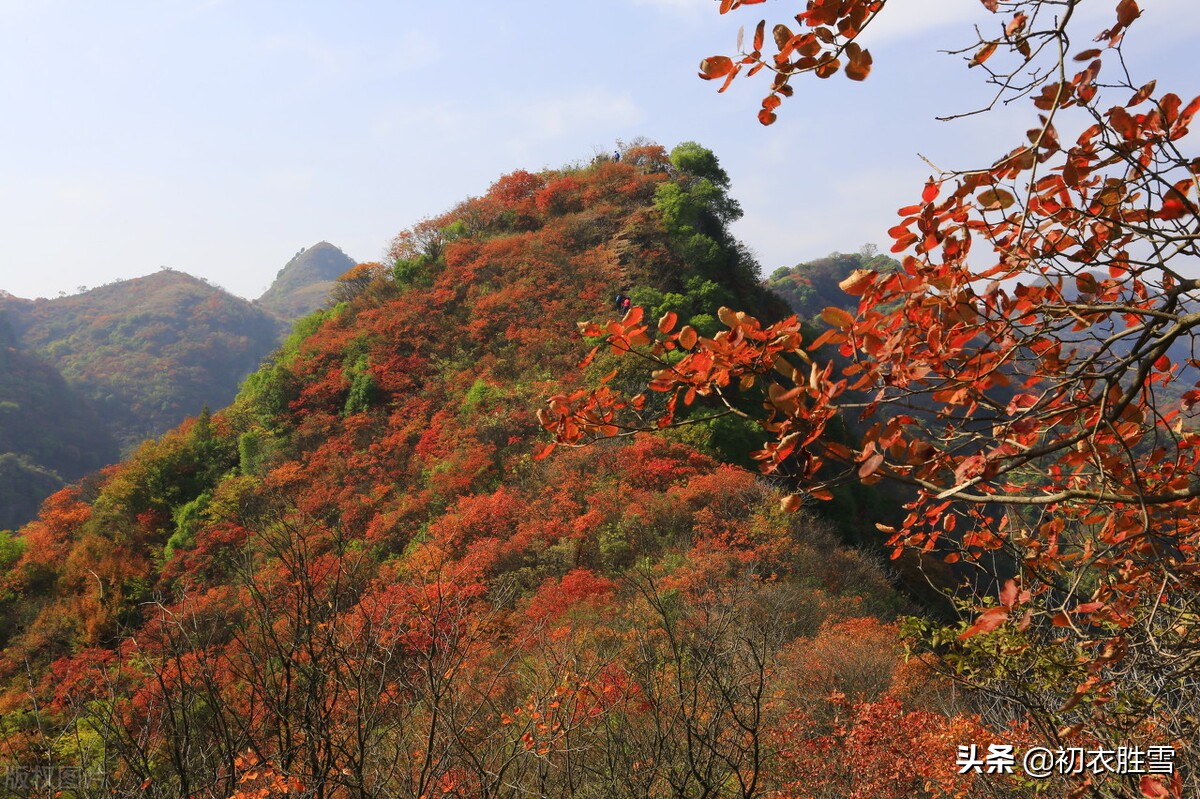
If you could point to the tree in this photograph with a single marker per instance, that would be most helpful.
(1038, 400)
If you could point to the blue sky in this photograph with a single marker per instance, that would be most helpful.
(219, 137)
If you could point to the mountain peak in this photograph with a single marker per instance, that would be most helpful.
(304, 283)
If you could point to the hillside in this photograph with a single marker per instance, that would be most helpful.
(147, 352)
(811, 286)
(305, 282)
(48, 434)
(357, 581)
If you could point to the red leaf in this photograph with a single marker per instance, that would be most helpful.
(717, 66)
(1008, 594)
(1180, 127)
(1141, 94)
(859, 66)
(828, 67)
(989, 620)
(1127, 12)
(931, 191)
(870, 465)
(1152, 788)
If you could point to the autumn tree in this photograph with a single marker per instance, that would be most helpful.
(1028, 372)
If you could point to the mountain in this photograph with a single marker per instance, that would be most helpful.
(147, 352)
(357, 579)
(49, 435)
(305, 283)
(811, 286)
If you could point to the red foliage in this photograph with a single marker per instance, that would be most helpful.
(516, 188)
(877, 750)
(653, 463)
(577, 587)
(560, 196)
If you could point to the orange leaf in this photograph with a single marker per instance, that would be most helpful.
(989, 620)
(858, 282)
(982, 54)
(836, 317)
(791, 503)
(667, 323)
(717, 66)
(1152, 788)
(995, 199)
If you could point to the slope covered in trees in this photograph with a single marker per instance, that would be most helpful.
(48, 434)
(305, 282)
(812, 286)
(147, 352)
(357, 581)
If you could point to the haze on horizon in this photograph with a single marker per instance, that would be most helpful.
(219, 137)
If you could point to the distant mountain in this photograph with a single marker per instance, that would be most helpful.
(304, 284)
(812, 286)
(48, 434)
(148, 352)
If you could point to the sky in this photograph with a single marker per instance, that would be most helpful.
(219, 137)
